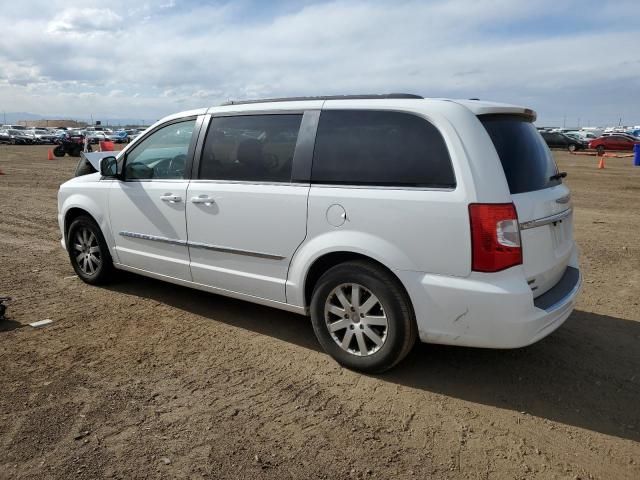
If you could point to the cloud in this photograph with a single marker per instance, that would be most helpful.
(206, 94)
(162, 56)
(85, 21)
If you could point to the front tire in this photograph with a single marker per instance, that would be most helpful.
(572, 147)
(88, 251)
(362, 317)
(59, 151)
(600, 150)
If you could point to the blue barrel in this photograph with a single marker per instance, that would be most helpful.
(636, 154)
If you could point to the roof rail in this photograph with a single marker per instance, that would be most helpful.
(325, 97)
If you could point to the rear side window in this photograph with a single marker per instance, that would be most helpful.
(255, 148)
(362, 147)
(526, 159)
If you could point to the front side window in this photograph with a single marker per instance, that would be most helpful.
(254, 148)
(162, 155)
(366, 147)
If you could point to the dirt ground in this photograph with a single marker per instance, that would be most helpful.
(144, 379)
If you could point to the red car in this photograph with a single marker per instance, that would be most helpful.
(613, 142)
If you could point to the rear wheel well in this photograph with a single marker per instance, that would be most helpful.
(330, 260)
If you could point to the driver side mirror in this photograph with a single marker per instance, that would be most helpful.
(109, 167)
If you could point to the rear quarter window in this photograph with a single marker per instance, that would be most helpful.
(367, 147)
(526, 160)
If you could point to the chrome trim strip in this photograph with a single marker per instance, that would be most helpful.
(144, 180)
(205, 246)
(319, 185)
(246, 182)
(546, 220)
(263, 111)
(383, 187)
(235, 251)
(153, 238)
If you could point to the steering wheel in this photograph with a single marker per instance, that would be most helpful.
(176, 166)
(170, 167)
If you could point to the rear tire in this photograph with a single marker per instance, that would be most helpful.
(363, 317)
(572, 147)
(88, 251)
(59, 151)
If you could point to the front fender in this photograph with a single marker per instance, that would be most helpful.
(96, 204)
(378, 249)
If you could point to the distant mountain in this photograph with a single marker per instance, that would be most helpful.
(15, 117)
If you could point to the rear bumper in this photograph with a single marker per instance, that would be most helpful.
(489, 310)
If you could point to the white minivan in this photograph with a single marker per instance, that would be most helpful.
(385, 218)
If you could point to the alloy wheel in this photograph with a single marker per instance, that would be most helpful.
(87, 251)
(356, 319)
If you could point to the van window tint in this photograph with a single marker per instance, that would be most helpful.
(525, 157)
(250, 148)
(362, 147)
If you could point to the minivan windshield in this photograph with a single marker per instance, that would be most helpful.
(526, 159)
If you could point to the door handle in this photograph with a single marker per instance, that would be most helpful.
(203, 200)
(169, 197)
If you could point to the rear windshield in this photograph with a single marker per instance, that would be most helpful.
(526, 159)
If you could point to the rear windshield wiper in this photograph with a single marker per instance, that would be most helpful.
(558, 176)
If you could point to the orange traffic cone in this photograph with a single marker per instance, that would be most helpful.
(601, 163)
(50, 154)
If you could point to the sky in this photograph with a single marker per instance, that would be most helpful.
(574, 62)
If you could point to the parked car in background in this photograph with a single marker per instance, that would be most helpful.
(560, 140)
(620, 134)
(583, 135)
(14, 127)
(596, 132)
(133, 133)
(614, 142)
(306, 205)
(19, 137)
(4, 136)
(96, 136)
(575, 136)
(42, 135)
(119, 137)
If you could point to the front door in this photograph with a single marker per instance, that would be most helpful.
(147, 207)
(245, 217)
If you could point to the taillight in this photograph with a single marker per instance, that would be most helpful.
(495, 236)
